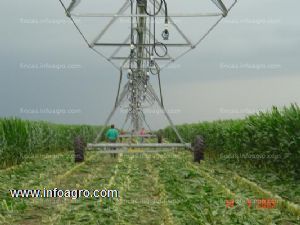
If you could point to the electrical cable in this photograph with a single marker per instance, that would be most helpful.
(166, 12)
(155, 12)
(155, 43)
(162, 2)
(202, 38)
(132, 36)
(71, 18)
(163, 46)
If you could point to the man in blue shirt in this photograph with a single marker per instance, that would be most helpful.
(112, 136)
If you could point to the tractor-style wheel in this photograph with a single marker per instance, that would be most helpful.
(79, 147)
(198, 147)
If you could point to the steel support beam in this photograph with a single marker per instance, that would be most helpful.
(134, 150)
(117, 105)
(124, 58)
(146, 145)
(145, 136)
(177, 15)
(140, 45)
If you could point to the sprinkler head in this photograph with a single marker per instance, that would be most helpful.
(151, 61)
(165, 34)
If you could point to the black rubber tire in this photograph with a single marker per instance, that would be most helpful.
(198, 148)
(159, 138)
(79, 147)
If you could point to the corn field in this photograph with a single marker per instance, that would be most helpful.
(156, 188)
(272, 138)
(20, 139)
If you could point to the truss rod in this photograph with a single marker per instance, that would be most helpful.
(119, 48)
(120, 100)
(146, 45)
(167, 116)
(83, 36)
(141, 15)
(111, 22)
(122, 58)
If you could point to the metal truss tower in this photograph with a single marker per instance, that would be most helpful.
(145, 52)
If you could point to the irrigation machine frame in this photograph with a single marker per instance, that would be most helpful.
(142, 60)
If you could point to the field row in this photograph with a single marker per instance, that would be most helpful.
(164, 188)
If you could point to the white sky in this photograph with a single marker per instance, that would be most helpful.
(250, 62)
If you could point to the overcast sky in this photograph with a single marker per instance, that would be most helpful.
(249, 63)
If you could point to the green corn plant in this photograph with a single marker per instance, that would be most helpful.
(266, 134)
(20, 139)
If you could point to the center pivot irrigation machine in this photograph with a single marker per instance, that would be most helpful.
(143, 54)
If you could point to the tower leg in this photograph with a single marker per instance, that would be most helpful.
(166, 114)
(118, 103)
